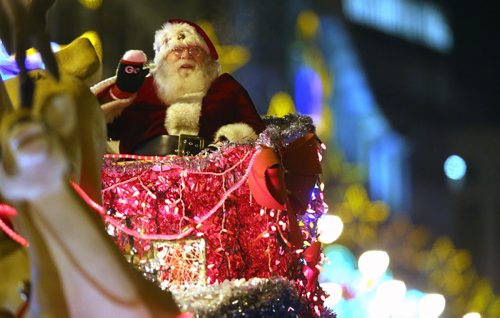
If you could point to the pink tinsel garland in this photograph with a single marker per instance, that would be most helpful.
(203, 197)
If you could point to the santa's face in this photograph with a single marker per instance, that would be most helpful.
(183, 71)
(187, 58)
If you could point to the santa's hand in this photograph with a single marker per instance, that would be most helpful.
(130, 74)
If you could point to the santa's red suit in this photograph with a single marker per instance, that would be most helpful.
(226, 110)
(137, 116)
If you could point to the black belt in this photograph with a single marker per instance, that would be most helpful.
(182, 145)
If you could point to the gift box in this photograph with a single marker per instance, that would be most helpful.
(180, 263)
(170, 199)
(194, 221)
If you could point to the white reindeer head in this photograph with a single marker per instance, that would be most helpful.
(62, 136)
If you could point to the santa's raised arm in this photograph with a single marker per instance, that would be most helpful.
(182, 104)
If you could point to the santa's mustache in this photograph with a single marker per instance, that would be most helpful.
(173, 84)
(182, 63)
(186, 64)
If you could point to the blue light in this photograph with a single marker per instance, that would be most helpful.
(308, 93)
(8, 66)
(420, 22)
(455, 167)
(341, 265)
(362, 132)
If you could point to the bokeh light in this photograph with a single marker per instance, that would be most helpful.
(373, 264)
(455, 167)
(340, 266)
(308, 93)
(431, 305)
(334, 291)
(281, 104)
(389, 295)
(329, 228)
(308, 23)
(91, 4)
(408, 308)
(472, 315)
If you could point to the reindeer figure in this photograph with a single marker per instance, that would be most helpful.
(76, 270)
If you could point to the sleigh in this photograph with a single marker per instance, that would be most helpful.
(220, 222)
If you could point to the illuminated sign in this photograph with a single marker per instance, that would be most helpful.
(418, 22)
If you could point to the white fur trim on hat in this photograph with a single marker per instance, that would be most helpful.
(173, 35)
(237, 132)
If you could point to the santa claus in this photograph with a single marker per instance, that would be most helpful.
(182, 103)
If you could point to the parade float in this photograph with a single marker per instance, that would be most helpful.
(220, 230)
(207, 227)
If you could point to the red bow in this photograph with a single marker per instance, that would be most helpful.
(287, 183)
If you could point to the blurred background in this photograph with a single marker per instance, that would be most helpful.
(404, 95)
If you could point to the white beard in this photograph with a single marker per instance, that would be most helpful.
(174, 83)
(182, 90)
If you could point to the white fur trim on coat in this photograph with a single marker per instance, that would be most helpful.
(183, 118)
(237, 132)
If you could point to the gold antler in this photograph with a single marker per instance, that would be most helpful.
(5, 104)
(22, 25)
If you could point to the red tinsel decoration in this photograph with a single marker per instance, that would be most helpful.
(178, 196)
(8, 212)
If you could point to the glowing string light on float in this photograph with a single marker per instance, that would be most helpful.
(372, 265)
(431, 305)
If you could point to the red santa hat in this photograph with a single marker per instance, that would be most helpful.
(178, 33)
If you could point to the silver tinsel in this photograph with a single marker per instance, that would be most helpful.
(284, 130)
(256, 297)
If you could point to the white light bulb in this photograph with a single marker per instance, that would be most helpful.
(431, 305)
(334, 291)
(329, 228)
(455, 167)
(388, 297)
(472, 315)
(391, 291)
(373, 264)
